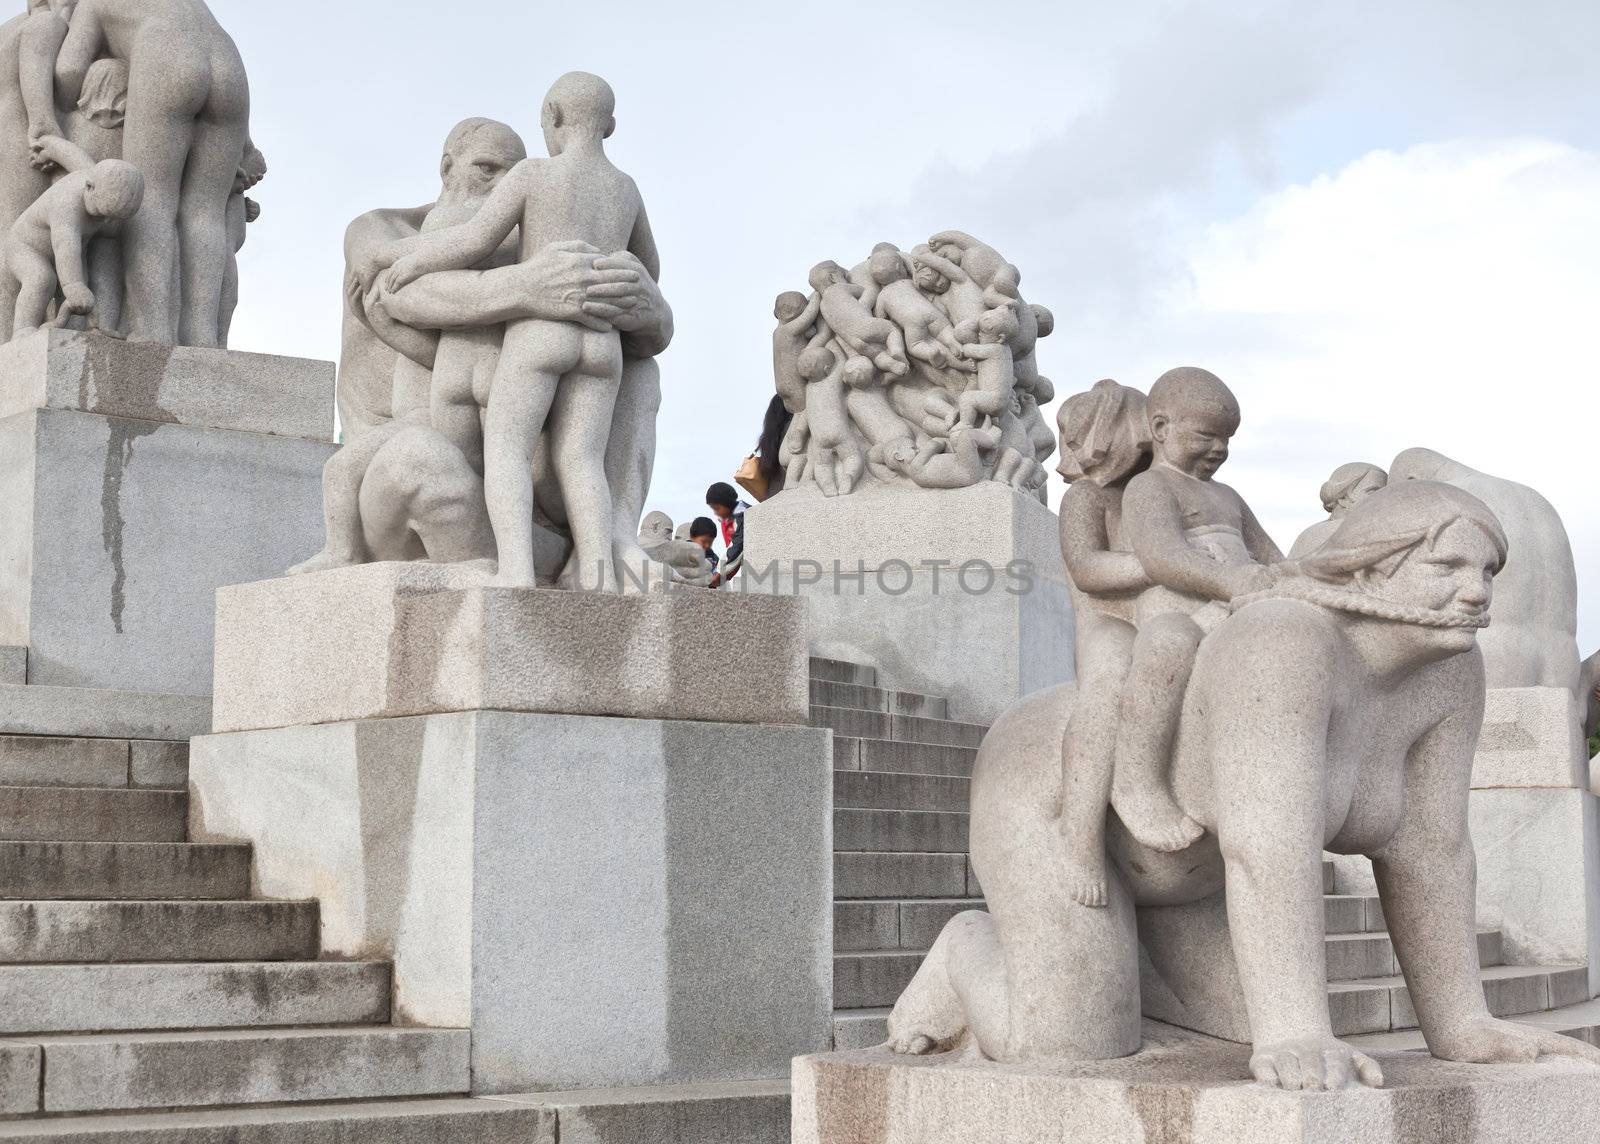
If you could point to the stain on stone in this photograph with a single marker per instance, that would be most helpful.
(122, 434)
(1165, 1112)
(139, 369)
(1445, 1115)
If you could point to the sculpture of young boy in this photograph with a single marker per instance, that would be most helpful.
(564, 371)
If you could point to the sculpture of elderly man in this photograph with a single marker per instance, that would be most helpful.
(417, 496)
(1339, 710)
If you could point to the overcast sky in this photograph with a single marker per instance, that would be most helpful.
(1378, 222)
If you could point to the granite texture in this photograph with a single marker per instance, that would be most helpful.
(984, 637)
(1531, 737)
(652, 897)
(179, 385)
(733, 1112)
(116, 533)
(1182, 1092)
(397, 639)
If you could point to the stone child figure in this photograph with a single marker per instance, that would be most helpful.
(1339, 494)
(1105, 442)
(852, 322)
(1201, 546)
(47, 246)
(565, 372)
(991, 392)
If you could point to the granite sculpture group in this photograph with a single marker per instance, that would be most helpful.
(913, 368)
(125, 155)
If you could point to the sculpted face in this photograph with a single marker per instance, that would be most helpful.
(477, 155)
(1453, 575)
(930, 281)
(1194, 439)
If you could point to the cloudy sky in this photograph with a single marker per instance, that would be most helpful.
(1378, 222)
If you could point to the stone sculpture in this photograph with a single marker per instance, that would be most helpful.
(1347, 485)
(168, 274)
(1533, 640)
(422, 351)
(914, 368)
(1273, 761)
(685, 560)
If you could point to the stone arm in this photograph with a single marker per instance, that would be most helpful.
(67, 237)
(1086, 546)
(1154, 525)
(62, 153)
(83, 44)
(943, 265)
(469, 243)
(1261, 547)
(38, 48)
(806, 319)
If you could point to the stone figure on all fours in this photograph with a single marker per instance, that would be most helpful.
(421, 356)
(1340, 492)
(1533, 640)
(915, 368)
(1335, 705)
(159, 85)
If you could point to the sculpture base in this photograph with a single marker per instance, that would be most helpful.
(1182, 1089)
(134, 481)
(397, 639)
(603, 901)
(1532, 737)
(958, 592)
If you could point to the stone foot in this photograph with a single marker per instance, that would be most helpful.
(929, 1017)
(320, 563)
(1085, 875)
(1153, 818)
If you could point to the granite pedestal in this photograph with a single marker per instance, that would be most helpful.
(957, 592)
(1183, 1089)
(134, 481)
(604, 900)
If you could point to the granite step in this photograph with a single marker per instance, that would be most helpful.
(897, 728)
(140, 871)
(191, 995)
(45, 760)
(869, 874)
(841, 671)
(881, 790)
(1352, 956)
(852, 754)
(894, 923)
(1380, 1004)
(856, 828)
(872, 979)
(95, 713)
(40, 932)
(1352, 913)
(459, 1120)
(92, 814)
(826, 693)
(198, 1069)
(860, 1028)
(13, 664)
(708, 1112)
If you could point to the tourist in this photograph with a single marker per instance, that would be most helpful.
(703, 531)
(767, 480)
(726, 506)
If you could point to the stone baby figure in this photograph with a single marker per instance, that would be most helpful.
(46, 247)
(565, 372)
(992, 351)
(1200, 546)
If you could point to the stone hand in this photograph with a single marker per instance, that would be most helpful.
(1314, 1064)
(79, 300)
(404, 272)
(47, 153)
(642, 297)
(1487, 1040)
(1248, 578)
(575, 282)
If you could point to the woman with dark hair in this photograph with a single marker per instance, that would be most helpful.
(769, 462)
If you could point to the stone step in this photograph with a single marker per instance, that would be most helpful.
(1379, 1004)
(92, 814)
(826, 693)
(1352, 913)
(852, 754)
(1580, 1021)
(873, 978)
(879, 790)
(894, 923)
(1356, 955)
(867, 874)
(44, 760)
(191, 995)
(13, 664)
(459, 1120)
(860, 1028)
(38, 932)
(917, 831)
(897, 728)
(839, 671)
(716, 1112)
(139, 871)
(200, 1069)
(93, 713)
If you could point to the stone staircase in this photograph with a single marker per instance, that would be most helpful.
(901, 791)
(145, 993)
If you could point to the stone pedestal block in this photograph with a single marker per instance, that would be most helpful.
(603, 901)
(949, 592)
(134, 481)
(386, 640)
(1181, 1093)
(1532, 737)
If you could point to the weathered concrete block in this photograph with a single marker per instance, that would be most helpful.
(1188, 1091)
(179, 385)
(40, 760)
(1531, 737)
(116, 532)
(19, 1078)
(91, 814)
(958, 593)
(92, 712)
(143, 871)
(157, 931)
(737, 1112)
(603, 901)
(386, 640)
